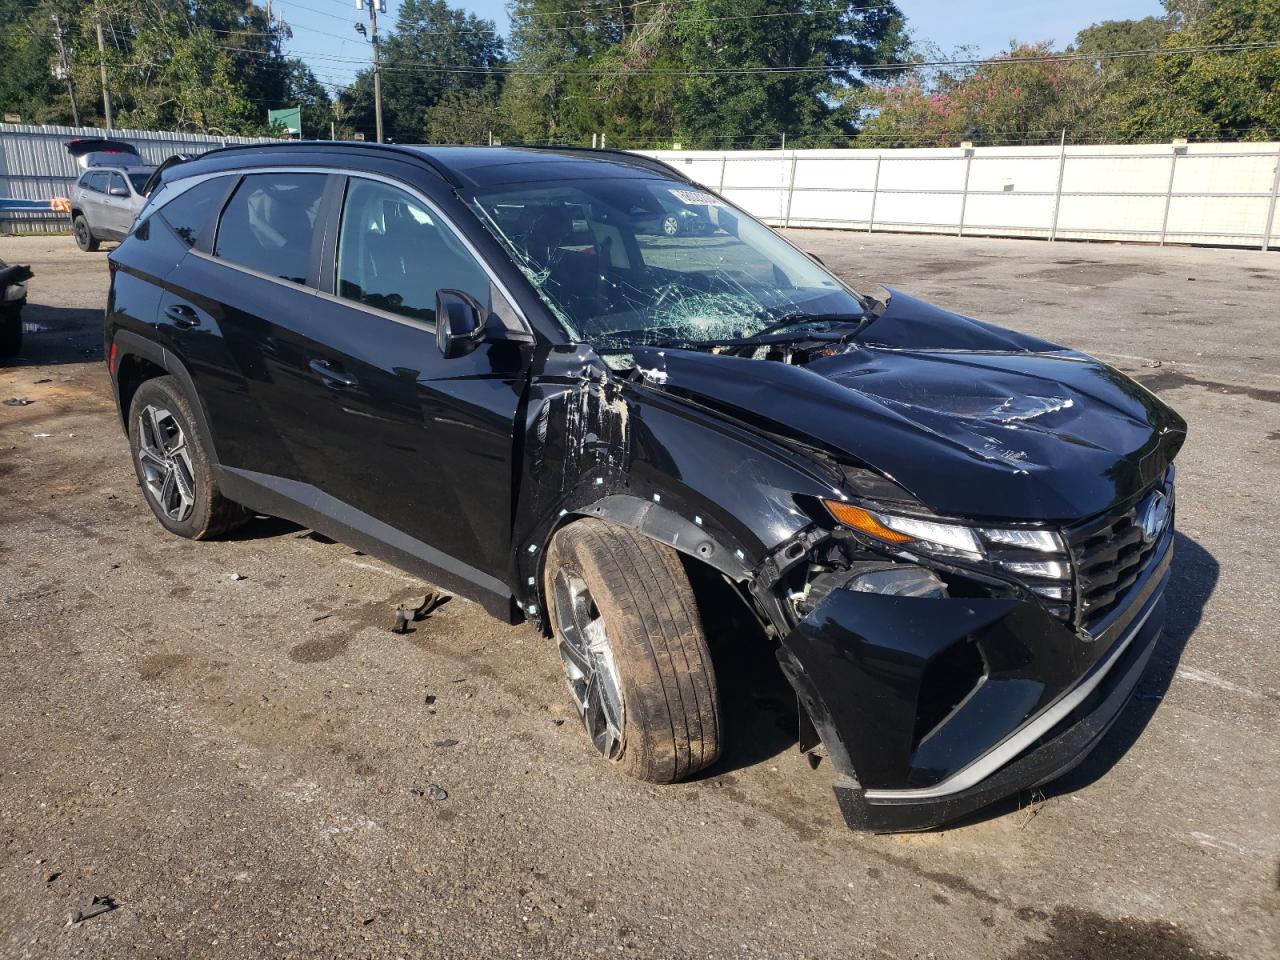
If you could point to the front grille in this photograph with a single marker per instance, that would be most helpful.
(1110, 554)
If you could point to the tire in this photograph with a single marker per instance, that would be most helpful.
(85, 239)
(10, 331)
(668, 725)
(173, 466)
(671, 225)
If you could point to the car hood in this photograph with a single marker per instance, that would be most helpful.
(969, 419)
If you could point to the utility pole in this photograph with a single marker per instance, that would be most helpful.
(66, 71)
(375, 7)
(102, 68)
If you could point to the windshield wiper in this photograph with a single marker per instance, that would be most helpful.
(800, 319)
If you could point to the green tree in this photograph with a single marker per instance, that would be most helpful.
(1217, 94)
(1018, 96)
(644, 74)
(28, 86)
(811, 105)
(434, 53)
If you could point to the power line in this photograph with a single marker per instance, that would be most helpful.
(753, 71)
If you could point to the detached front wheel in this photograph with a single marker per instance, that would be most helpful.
(634, 650)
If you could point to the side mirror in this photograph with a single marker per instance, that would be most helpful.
(815, 258)
(459, 323)
(120, 191)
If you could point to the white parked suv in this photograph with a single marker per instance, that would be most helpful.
(110, 192)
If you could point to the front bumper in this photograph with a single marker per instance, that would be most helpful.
(860, 662)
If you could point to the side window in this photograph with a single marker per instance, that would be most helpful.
(189, 213)
(394, 254)
(96, 182)
(269, 223)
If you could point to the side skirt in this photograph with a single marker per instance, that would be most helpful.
(307, 505)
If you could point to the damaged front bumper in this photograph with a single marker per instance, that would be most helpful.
(866, 666)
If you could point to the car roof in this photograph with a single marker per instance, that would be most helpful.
(475, 167)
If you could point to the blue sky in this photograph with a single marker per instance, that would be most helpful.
(324, 29)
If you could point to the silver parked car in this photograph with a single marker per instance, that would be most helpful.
(110, 192)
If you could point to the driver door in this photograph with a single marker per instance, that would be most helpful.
(407, 445)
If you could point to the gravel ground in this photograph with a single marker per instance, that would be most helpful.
(226, 739)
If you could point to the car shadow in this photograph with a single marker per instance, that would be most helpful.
(1192, 581)
(757, 704)
(58, 335)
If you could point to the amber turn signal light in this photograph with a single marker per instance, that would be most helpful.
(858, 519)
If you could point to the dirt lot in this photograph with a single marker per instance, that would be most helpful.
(227, 740)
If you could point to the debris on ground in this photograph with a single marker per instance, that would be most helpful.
(96, 907)
(402, 622)
(431, 792)
(236, 576)
(558, 721)
(430, 699)
(44, 380)
(1153, 363)
(432, 603)
(43, 436)
(18, 402)
(449, 742)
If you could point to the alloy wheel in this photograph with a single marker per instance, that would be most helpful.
(589, 664)
(166, 462)
(671, 226)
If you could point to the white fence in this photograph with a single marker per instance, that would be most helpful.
(1216, 193)
(34, 164)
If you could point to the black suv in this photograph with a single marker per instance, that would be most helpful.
(482, 366)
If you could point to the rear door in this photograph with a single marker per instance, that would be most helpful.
(92, 201)
(409, 443)
(243, 279)
(117, 203)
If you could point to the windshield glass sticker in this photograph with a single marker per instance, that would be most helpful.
(696, 198)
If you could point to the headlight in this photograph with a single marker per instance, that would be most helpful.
(946, 538)
(1014, 550)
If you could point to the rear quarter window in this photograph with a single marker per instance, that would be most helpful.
(191, 212)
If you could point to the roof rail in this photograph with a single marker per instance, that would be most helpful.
(354, 145)
(624, 156)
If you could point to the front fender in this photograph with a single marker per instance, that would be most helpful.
(595, 444)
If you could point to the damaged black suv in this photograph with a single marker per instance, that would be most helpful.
(487, 367)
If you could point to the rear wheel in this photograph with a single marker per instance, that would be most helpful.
(85, 239)
(10, 331)
(634, 650)
(173, 466)
(671, 225)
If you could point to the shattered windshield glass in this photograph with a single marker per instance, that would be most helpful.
(624, 262)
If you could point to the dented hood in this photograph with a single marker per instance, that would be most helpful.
(970, 419)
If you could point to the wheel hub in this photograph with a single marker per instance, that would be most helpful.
(166, 462)
(589, 664)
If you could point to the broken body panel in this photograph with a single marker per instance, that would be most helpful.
(717, 455)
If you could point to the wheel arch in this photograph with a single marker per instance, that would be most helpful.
(703, 540)
(139, 360)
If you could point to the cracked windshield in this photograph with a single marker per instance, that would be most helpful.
(657, 262)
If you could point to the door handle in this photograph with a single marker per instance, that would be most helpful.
(332, 377)
(182, 315)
